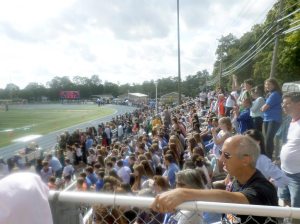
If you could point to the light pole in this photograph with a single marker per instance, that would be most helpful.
(275, 49)
(178, 42)
(156, 104)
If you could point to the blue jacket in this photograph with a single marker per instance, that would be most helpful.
(245, 121)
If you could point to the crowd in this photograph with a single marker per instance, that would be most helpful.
(219, 147)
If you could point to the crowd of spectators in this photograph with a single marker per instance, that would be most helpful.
(181, 148)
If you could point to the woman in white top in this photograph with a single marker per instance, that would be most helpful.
(255, 112)
(220, 137)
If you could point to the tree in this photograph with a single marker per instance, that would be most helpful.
(12, 91)
(57, 84)
(111, 88)
(34, 91)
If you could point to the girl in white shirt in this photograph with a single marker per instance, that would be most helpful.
(219, 138)
(255, 112)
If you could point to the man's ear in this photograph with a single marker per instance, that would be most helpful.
(247, 160)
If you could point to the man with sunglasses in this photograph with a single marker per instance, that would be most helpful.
(249, 186)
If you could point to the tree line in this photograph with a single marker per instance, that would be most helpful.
(191, 86)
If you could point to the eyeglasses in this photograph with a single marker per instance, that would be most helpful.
(226, 154)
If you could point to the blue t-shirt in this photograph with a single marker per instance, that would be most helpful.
(274, 112)
(99, 184)
(88, 182)
(92, 178)
(170, 173)
(55, 164)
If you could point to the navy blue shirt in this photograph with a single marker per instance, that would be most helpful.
(245, 121)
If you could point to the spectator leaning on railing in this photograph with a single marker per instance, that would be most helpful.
(239, 155)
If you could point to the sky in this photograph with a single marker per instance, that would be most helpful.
(121, 41)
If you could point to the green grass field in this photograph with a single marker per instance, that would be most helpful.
(23, 120)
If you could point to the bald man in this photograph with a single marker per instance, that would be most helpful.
(239, 155)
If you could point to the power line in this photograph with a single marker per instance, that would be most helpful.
(292, 29)
(250, 48)
(262, 36)
(249, 58)
(288, 7)
(292, 13)
(258, 50)
(243, 61)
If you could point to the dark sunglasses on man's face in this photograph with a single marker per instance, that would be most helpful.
(225, 154)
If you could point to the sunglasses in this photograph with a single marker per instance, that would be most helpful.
(228, 155)
(225, 154)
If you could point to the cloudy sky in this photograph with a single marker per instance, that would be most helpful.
(122, 41)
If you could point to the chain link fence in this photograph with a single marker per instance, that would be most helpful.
(92, 208)
(120, 215)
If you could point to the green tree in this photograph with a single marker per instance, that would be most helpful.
(12, 91)
(34, 91)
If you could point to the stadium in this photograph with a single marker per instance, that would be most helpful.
(158, 133)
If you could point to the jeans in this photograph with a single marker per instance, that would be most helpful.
(228, 111)
(257, 122)
(291, 192)
(270, 128)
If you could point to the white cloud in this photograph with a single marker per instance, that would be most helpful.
(121, 41)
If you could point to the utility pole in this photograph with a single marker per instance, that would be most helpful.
(220, 73)
(275, 49)
(179, 72)
(206, 83)
(156, 103)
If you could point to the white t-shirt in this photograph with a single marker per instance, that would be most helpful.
(68, 170)
(229, 101)
(202, 96)
(120, 131)
(78, 152)
(255, 108)
(290, 152)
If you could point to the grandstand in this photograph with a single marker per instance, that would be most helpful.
(101, 206)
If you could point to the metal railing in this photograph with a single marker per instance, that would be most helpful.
(116, 201)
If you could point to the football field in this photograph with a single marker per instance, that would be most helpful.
(22, 121)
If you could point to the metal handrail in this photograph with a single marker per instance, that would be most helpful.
(145, 202)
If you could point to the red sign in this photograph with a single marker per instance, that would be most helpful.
(70, 95)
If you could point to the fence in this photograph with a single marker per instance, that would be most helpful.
(114, 208)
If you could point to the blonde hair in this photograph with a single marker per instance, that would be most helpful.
(227, 122)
